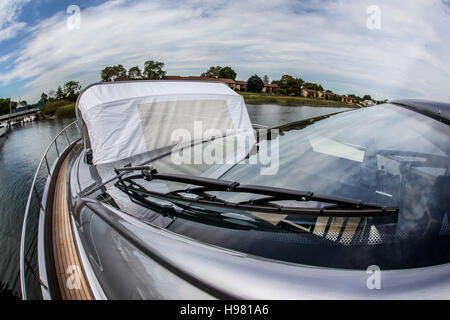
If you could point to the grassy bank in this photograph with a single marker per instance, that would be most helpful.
(257, 98)
(67, 111)
(50, 108)
(60, 108)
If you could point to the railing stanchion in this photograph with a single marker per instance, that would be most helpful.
(67, 137)
(56, 146)
(46, 162)
(38, 197)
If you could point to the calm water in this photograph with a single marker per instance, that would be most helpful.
(273, 115)
(22, 149)
(20, 153)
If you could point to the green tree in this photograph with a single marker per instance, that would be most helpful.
(72, 90)
(280, 91)
(120, 72)
(113, 73)
(4, 106)
(135, 73)
(60, 95)
(266, 79)
(220, 72)
(108, 74)
(255, 84)
(44, 97)
(227, 73)
(313, 86)
(289, 85)
(367, 97)
(352, 95)
(213, 72)
(153, 70)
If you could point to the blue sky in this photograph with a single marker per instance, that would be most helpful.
(324, 41)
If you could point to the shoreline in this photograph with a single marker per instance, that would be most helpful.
(259, 99)
(68, 110)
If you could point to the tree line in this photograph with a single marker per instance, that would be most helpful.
(69, 92)
(4, 105)
(154, 70)
(287, 85)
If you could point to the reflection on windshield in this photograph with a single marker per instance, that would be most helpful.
(386, 155)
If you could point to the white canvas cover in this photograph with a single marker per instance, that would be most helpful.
(125, 119)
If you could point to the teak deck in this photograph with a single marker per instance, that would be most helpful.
(70, 274)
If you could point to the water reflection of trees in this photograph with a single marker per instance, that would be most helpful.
(6, 293)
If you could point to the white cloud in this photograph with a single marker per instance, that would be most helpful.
(11, 31)
(324, 41)
(7, 57)
(9, 11)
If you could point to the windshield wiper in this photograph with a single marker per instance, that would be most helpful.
(212, 217)
(340, 206)
(235, 221)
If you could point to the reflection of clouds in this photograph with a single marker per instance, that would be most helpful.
(133, 265)
(377, 128)
(274, 115)
(372, 129)
(149, 280)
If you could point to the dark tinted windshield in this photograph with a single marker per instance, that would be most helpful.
(386, 155)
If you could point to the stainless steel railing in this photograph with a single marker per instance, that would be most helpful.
(30, 277)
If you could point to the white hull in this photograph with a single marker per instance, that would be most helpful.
(3, 131)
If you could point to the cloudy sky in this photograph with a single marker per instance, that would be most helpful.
(325, 41)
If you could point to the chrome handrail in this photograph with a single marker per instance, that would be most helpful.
(34, 190)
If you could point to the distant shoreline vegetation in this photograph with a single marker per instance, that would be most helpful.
(259, 99)
(66, 109)
(287, 91)
(59, 108)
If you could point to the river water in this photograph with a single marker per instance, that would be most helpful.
(22, 149)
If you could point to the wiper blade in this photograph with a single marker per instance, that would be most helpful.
(340, 206)
(222, 219)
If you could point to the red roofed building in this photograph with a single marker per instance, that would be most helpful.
(269, 88)
(233, 84)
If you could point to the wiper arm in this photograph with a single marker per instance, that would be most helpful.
(340, 207)
(176, 209)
